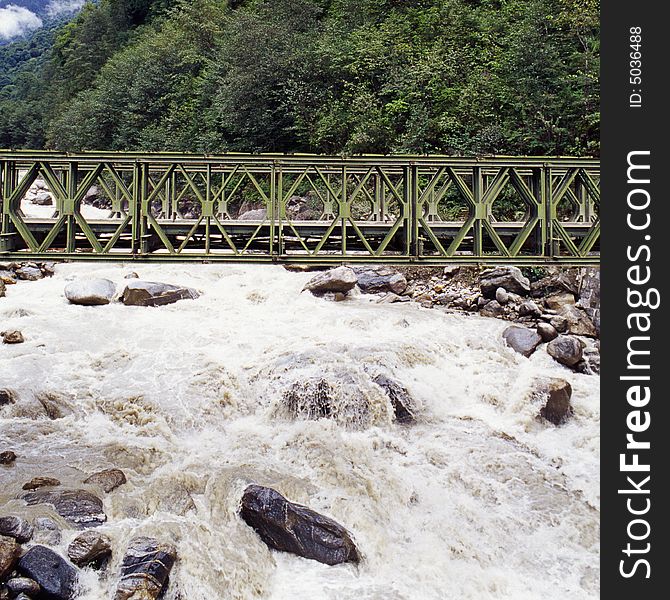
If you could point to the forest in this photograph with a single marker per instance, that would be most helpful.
(459, 77)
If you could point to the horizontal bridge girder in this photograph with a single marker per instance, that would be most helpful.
(299, 208)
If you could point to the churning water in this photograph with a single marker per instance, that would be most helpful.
(479, 499)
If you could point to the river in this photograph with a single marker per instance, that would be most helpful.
(478, 499)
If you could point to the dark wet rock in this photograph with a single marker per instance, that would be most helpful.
(546, 332)
(12, 337)
(23, 585)
(340, 279)
(149, 293)
(108, 480)
(90, 292)
(47, 531)
(29, 273)
(145, 569)
(508, 278)
(17, 528)
(7, 396)
(38, 482)
(78, 507)
(578, 322)
(9, 555)
(491, 309)
(401, 401)
(566, 350)
(56, 576)
(259, 214)
(557, 408)
(375, 279)
(7, 457)
(89, 548)
(290, 527)
(530, 309)
(522, 340)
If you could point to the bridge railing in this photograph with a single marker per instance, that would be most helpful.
(303, 208)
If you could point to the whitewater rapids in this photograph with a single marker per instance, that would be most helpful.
(477, 500)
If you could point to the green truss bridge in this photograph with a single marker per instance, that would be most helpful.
(299, 208)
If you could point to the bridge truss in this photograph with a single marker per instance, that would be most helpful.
(299, 208)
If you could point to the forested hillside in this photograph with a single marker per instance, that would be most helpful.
(327, 76)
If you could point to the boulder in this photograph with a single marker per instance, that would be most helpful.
(502, 296)
(508, 278)
(7, 457)
(578, 322)
(546, 332)
(108, 480)
(290, 527)
(149, 293)
(400, 399)
(566, 350)
(340, 279)
(560, 281)
(47, 531)
(29, 272)
(259, 214)
(90, 292)
(56, 577)
(559, 300)
(9, 555)
(557, 408)
(12, 337)
(145, 569)
(78, 507)
(559, 323)
(89, 548)
(529, 309)
(17, 528)
(375, 279)
(23, 585)
(38, 482)
(522, 340)
(491, 309)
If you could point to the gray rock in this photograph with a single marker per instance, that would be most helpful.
(2, 289)
(56, 576)
(578, 322)
(522, 340)
(529, 309)
(43, 199)
(559, 323)
(6, 278)
(290, 527)
(145, 569)
(557, 408)
(149, 293)
(17, 528)
(508, 278)
(78, 507)
(566, 350)
(400, 399)
(12, 337)
(23, 585)
(89, 548)
(9, 555)
(502, 296)
(340, 279)
(29, 273)
(375, 279)
(90, 292)
(451, 270)
(392, 298)
(7, 457)
(589, 294)
(108, 480)
(259, 214)
(491, 309)
(47, 531)
(547, 332)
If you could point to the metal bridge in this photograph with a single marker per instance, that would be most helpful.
(299, 208)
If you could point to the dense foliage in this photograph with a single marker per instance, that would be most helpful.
(351, 76)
